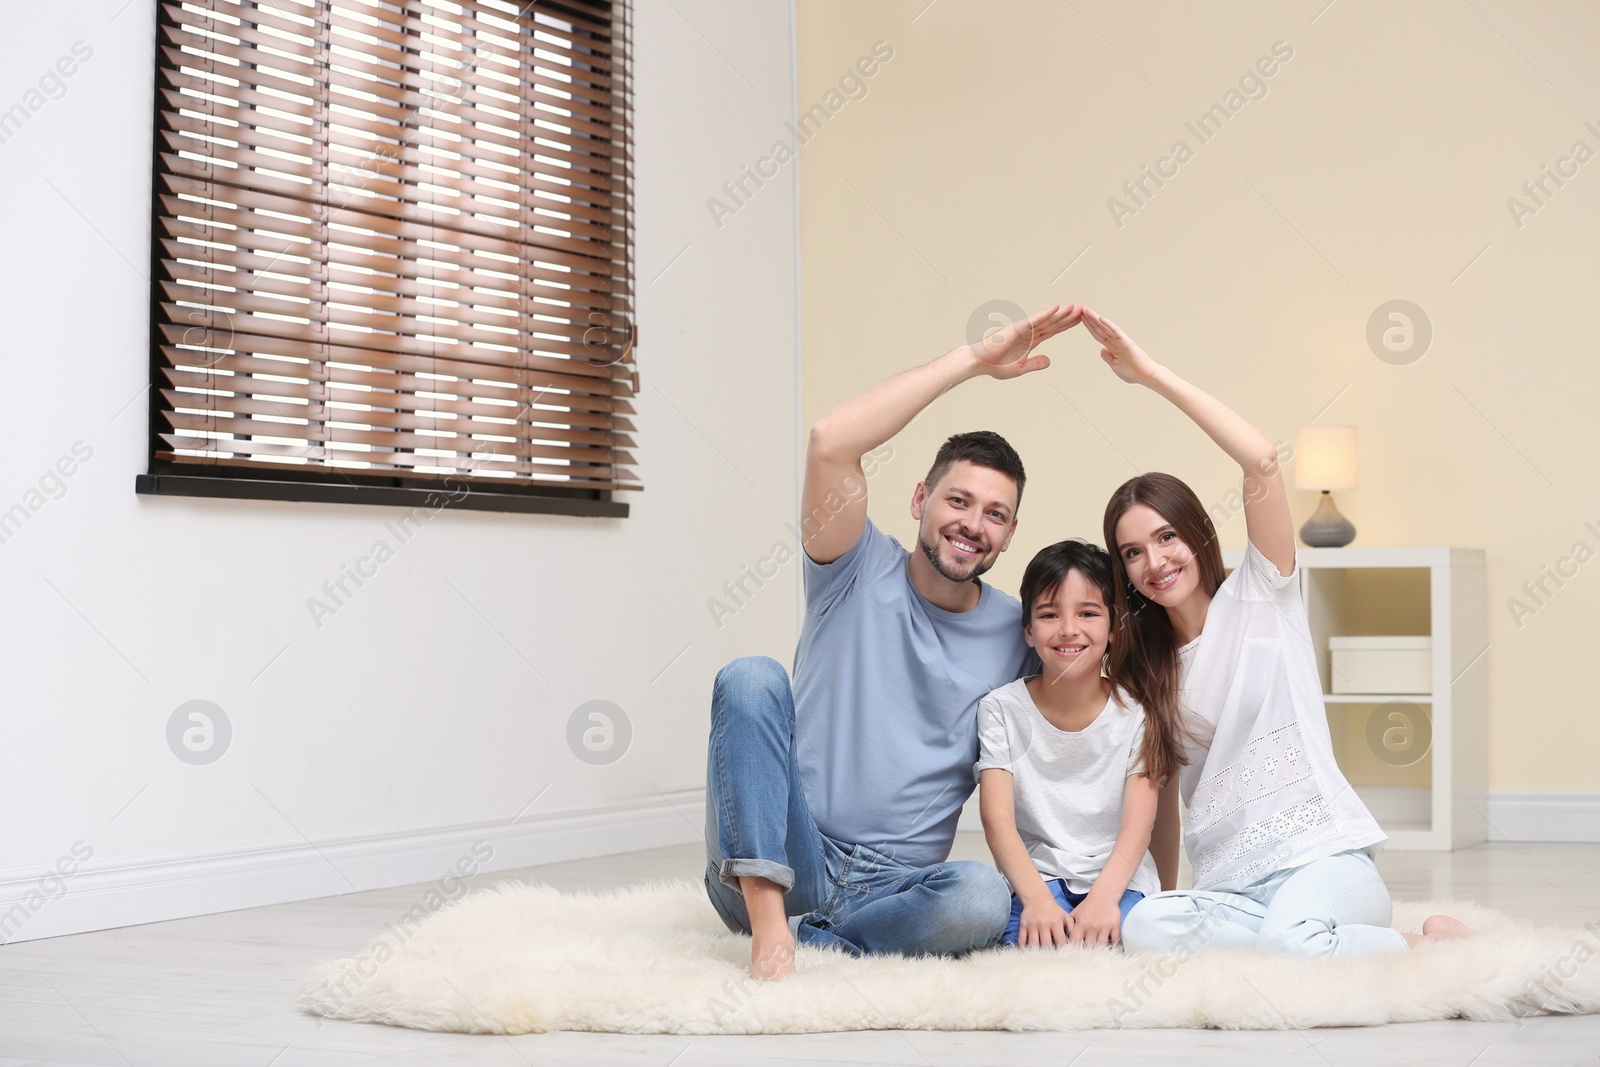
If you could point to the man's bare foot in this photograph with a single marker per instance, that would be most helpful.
(772, 955)
(1445, 928)
(771, 941)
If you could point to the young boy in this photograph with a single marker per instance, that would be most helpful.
(1067, 808)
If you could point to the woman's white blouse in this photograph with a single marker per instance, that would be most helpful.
(1262, 788)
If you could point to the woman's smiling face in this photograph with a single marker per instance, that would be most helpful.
(1159, 564)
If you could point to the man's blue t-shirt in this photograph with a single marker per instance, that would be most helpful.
(886, 691)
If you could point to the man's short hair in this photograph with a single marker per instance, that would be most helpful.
(984, 448)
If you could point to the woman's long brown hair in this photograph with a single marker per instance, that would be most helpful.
(1144, 649)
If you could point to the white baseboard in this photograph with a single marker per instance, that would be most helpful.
(1543, 815)
(1513, 814)
(99, 895)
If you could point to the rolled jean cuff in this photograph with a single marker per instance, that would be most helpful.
(733, 870)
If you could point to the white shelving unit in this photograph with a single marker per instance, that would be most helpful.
(1439, 592)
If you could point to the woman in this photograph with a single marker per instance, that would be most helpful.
(1280, 844)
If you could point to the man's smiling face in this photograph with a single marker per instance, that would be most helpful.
(967, 519)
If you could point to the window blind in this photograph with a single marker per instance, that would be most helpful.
(392, 243)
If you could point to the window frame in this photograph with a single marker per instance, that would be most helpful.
(308, 482)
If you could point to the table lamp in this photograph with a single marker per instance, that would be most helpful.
(1325, 460)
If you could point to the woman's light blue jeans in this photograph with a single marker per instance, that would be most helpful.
(858, 898)
(1337, 906)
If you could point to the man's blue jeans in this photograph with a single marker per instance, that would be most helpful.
(847, 895)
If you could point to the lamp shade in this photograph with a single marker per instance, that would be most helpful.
(1325, 458)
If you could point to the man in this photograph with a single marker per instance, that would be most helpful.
(831, 805)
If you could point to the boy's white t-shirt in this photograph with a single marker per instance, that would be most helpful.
(1068, 785)
(1262, 787)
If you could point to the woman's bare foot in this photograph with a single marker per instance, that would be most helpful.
(1440, 928)
(1445, 928)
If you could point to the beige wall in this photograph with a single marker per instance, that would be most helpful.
(1378, 165)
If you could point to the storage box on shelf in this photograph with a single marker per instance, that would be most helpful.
(1401, 637)
(1381, 664)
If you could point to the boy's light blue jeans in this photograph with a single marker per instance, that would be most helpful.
(858, 898)
(1336, 906)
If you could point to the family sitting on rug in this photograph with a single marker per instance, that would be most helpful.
(1121, 678)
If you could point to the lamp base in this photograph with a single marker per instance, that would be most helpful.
(1326, 528)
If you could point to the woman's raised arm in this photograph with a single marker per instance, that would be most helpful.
(1266, 500)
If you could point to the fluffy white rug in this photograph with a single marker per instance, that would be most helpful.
(654, 959)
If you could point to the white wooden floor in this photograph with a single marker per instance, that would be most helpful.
(217, 991)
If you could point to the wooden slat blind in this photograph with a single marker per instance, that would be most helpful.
(393, 238)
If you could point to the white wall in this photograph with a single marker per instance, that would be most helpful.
(429, 711)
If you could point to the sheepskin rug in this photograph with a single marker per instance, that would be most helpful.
(654, 959)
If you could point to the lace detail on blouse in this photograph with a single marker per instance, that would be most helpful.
(1270, 763)
(1287, 827)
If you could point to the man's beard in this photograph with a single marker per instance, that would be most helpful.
(931, 550)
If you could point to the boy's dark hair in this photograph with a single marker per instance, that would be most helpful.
(984, 448)
(1049, 568)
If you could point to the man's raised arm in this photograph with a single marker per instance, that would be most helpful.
(842, 436)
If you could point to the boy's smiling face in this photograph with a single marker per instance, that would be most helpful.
(1069, 628)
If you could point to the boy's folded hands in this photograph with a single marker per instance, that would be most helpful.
(1044, 923)
(1095, 922)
